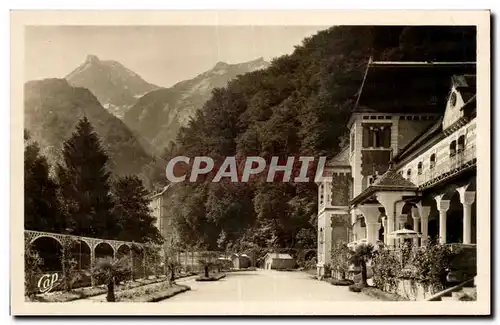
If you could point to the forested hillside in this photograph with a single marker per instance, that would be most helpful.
(298, 106)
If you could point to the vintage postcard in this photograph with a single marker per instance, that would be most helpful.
(250, 163)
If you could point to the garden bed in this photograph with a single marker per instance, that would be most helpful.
(87, 292)
(152, 293)
(211, 277)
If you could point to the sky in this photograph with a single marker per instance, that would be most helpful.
(162, 55)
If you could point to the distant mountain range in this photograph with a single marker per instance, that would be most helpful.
(159, 114)
(116, 87)
(52, 108)
(107, 92)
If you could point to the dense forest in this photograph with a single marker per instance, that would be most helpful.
(298, 106)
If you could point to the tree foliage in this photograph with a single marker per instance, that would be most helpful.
(132, 212)
(85, 184)
(41, 206)
(83, 199)
(300, 105)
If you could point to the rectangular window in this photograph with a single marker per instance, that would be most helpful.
(377, 136)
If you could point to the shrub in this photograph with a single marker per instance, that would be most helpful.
(71, 274)
(386, 269)
(428, 265)
(431, 263)
(32, 263)
(361, 255)
(109, 272)
(340, 259)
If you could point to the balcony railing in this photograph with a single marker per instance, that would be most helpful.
(453, 163)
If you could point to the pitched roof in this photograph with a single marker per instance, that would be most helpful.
(341, 159)
(280, 256)
(391, 180)
(408, 87)
(431, 133)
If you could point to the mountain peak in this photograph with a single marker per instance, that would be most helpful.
(91, 58)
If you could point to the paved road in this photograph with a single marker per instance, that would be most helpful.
(266, 286)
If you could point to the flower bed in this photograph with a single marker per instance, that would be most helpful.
(81, 293)
(152, 293)
(212, 277)
(87, 292)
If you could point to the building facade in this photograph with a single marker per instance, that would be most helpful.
(158, 207)
(411, 159)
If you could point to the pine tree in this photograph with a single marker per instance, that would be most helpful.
(41, 207)
(84, 184)
(131, 210)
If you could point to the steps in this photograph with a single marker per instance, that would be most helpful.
(465, 291)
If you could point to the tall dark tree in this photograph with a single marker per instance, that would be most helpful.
(41, 207)
(84, 183)
(131, 210)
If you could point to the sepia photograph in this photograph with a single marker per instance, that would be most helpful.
(309, 167)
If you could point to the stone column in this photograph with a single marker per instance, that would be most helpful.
(372, 232)
(467, 199)
(384, 224)
(442, 206)
(424, 212)
(371, 214)
(92, 261)
(416, 224)
(388, 200)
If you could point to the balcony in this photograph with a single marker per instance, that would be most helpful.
(452, 165)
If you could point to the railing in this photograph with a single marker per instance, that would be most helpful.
(454, 162)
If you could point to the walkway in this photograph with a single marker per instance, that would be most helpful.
(265, 286)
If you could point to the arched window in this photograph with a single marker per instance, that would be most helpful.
(453, 148)
(461, 143)
(408, 174)
(433, 161)
(419, 168)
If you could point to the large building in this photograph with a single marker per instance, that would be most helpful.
(410, 166)
(158, 207)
